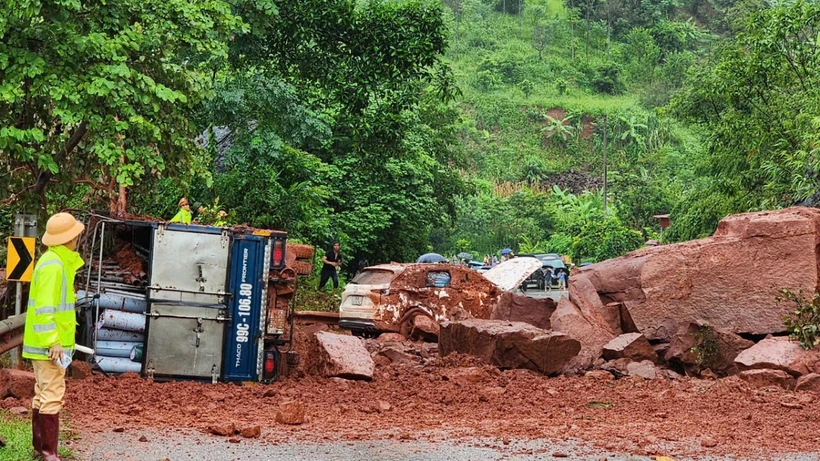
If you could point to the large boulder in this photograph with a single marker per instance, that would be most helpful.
(633, 346)
(779, 354)
(16, 383)
(589, 330)
(340, 356)
(723, 281)
(509, 344)
(517, 308)
(728, 345)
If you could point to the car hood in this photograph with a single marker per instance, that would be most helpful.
(509, 274)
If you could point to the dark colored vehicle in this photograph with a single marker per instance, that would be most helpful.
(551, 264)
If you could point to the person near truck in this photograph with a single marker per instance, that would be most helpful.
(331, 262)
(48, 340)
(184, 214)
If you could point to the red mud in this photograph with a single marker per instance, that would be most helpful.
(633, 415)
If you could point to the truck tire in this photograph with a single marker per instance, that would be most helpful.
(302, 267)
(301, 251)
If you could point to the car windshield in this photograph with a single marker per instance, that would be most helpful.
(374, 277)
(554, 263)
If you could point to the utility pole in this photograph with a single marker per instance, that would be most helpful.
(605, 149)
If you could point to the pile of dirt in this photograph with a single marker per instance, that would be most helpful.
(683, 417)
(128, 260)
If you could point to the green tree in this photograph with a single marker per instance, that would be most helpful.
(758, 109)
(101, 94)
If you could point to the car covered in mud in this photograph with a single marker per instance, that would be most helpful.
(401, 297)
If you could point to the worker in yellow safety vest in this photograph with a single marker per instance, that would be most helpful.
(50, 327)
(184, 214)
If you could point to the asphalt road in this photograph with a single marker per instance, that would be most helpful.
(183, 446)
(540, 294)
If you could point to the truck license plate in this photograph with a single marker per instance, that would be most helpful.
(356, 300)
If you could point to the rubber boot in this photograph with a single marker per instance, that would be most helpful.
(36, 436)
(50, 436)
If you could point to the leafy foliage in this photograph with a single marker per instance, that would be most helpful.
(706, 348)
(102, 94)
(803, 324)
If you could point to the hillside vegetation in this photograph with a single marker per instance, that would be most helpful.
(400, 127)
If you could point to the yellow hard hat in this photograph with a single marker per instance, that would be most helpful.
(61, 228)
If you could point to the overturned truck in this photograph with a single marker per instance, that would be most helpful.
(177, 301)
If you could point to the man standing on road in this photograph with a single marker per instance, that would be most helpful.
(330, 267)
(48, 339)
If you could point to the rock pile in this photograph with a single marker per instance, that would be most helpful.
(697, 307)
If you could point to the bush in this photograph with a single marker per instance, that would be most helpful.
(607, 78)
(804, 322)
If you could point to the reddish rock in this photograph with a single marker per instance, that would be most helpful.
(465, 376)
(424, 328)
(292, 413)
(645, 369)
(489, 393)
(591, 334)
(143, 439)
(509, 344)
(384, 406)
(779, 354)
(633, 346)
(341, 355)
(808, 383)
(767, 378)
(10, 402)
(250, 432)
(517, 308)
(611, 313)
(16, 383)
(19, 411)
(617, 367)
(79, 370)
(399, 354)
(391, 338)
(381, 361)
(729, 346)
(215, 396)
(234, 440)
(601, 375)
(269, 393)
(223, 429)
(713, 280)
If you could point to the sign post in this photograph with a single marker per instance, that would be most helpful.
(20, 265)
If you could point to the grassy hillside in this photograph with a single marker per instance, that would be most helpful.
(537, 89)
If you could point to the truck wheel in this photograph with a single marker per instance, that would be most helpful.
(301, 251)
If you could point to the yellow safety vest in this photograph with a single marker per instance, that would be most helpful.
(183, 216)
(50, 318)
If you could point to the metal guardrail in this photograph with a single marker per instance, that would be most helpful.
(11, 332)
